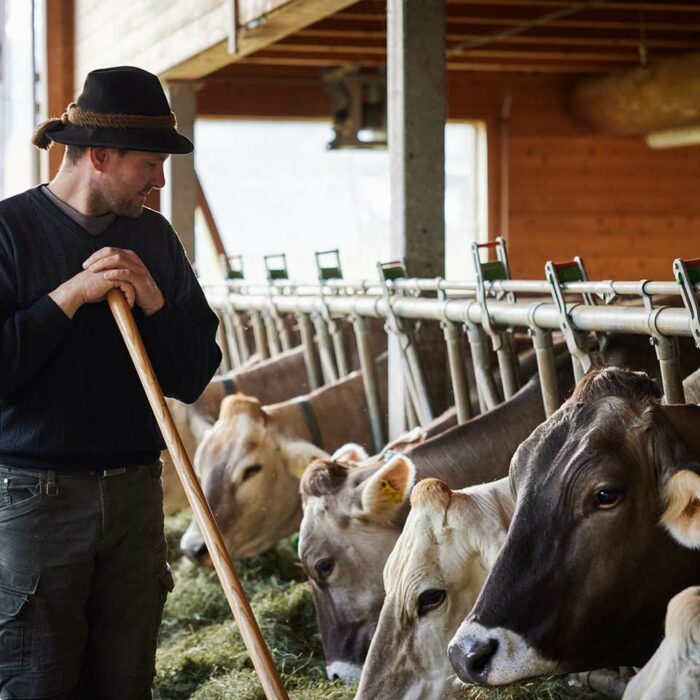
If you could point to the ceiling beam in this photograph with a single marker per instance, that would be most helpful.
(286, 19)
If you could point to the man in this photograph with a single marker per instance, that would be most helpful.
(83, 573)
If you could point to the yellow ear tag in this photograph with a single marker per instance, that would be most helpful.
(391, 493)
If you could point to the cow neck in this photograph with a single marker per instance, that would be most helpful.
(481, 449)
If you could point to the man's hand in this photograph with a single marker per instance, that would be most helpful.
(88, 288)
(124, 266)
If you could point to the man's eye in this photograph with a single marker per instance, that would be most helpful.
(607, 498)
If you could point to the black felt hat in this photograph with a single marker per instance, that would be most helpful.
(122, 107)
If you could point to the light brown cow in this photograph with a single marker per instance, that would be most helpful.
(251, 461)
(271, 381)
(432, 578)
(673, 673)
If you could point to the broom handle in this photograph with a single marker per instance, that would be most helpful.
(242, 613)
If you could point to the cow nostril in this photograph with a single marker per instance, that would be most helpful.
(471, 658)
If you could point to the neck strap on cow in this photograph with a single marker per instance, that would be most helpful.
(307, 412)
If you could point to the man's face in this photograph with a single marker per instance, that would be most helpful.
(127, 179)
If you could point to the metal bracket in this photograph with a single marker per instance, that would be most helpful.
(558, 274)
(687, 274)
(415, 381)
(502, 340)
(234, 267)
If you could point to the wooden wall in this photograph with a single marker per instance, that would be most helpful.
(626, 209)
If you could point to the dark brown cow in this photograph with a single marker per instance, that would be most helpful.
(606, 530)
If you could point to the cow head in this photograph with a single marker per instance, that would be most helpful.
(350, 524)
(249, 469)
(432, 578)
(605, 532)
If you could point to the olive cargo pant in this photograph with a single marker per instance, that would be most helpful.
(83, 581)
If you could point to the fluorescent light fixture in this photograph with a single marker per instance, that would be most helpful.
(675, 138)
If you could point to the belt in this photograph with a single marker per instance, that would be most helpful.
(49, 475)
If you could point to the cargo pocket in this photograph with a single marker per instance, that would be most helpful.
(16, 589)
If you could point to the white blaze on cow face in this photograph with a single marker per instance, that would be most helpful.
(511, 657)
(345, 537)
(249, 469)
(673, 673)
(432, 578)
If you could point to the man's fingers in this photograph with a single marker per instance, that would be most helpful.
(111, 252)
(106, 262)
(121, 274)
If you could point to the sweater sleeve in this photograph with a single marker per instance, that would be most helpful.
(28, 336)
(181, 337)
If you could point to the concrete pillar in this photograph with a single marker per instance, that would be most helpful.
(416, 83)
(179, 196)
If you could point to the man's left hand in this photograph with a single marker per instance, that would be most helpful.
(122, 265)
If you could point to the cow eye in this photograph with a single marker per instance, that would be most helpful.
(252, 470)
(608, 498)
(429, 600)
(324, 568)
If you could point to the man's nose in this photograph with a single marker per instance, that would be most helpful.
(158, 179)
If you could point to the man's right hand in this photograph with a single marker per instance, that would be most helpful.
(88, 288)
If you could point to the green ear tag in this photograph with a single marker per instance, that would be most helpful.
(391, 493)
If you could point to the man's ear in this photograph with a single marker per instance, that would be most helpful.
(385, 492)
(680, 478)
(98, 157)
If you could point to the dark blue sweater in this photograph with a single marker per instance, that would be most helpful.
(70, 397)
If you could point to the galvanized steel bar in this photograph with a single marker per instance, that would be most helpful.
(621, 319)
(310, 360)
(271, 333)
(241, 339)
(341, 358)
(544, 352)
(325, 350)
(369, 380)
(460, 389)
(259, 335)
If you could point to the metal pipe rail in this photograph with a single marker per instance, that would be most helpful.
(669, 321)
(606, 288)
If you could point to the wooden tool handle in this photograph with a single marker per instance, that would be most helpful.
(242, 613)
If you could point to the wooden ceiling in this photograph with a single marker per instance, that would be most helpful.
(527, 36)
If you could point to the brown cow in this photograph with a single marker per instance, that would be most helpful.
(251, 461)
(606, 530)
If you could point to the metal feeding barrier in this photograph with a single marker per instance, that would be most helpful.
(255, 317)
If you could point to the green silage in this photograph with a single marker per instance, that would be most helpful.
(201, 655)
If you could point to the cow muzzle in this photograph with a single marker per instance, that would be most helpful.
(471, 658)
(495, 656)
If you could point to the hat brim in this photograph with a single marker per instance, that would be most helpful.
(152, 140)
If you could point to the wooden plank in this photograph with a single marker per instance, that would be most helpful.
(59, 77)
(691, 6)
(368, 37)
(456, 19)
(294, 15)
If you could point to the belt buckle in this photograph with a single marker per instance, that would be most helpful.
(112, 472)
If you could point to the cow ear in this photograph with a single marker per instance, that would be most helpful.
(350, 452)
(681, 476)
(299, 454)
(403, 442)
(240, 404)
(388, 489)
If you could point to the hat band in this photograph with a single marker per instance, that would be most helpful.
(79, 117)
